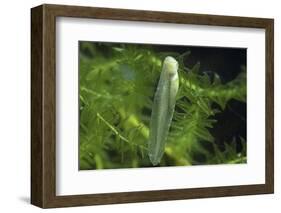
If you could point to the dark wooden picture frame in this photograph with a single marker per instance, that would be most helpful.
(43, 105)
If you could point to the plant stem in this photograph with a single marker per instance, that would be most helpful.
(115, 131)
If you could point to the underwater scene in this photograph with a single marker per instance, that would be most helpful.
(152, 105)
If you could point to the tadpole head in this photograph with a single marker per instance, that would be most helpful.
(170, 65)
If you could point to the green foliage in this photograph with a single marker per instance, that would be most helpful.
(229, 155)
(117, 84)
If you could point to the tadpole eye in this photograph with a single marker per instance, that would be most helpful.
(171, 74)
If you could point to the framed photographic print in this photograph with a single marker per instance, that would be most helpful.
(135, 106)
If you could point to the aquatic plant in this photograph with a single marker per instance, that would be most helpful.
(117, 87)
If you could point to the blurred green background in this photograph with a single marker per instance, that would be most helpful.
(117, 85)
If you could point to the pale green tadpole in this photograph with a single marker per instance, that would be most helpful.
(163, 109)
